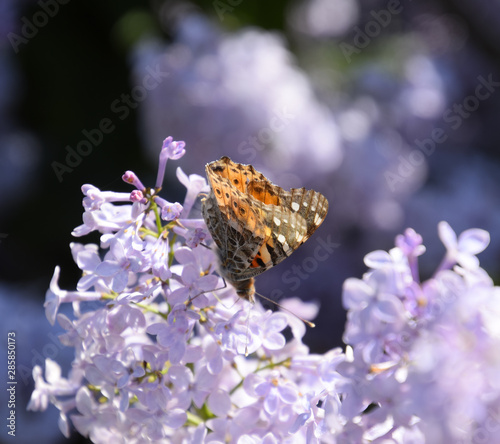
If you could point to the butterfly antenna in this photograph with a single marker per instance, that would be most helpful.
(305, 321)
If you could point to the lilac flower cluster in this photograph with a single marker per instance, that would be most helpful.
(160, 342)
(423, 362)
(165, 352)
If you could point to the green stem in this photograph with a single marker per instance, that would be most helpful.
(193, 419)
(171, 250)
(154, 207)
(271, 365)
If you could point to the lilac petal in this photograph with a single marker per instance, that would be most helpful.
(276, 322)
(176, 352)
(219, 402)
(467, 261)
(300, 421)
(52, 371)
(209, 283)
(261, 388)
(271, 402)
(389, 309)
(274, 341)
(185, 255)
(51, 305)
(178, 296)
(116, 248)
(88, 260)
(182, 176)
(180, 376)
(199, 434)
(52, 297)
(214, 358)
(84, 401)
(473, 241)
(162, 271)
(176, 418)
(156, 329)
(378, 259)
(356, 294)
(108, 268)
(189, 275)
(63, 424)
(288, 393)
(87, 282)
(120, 281)
(270, 438)
(447, 235)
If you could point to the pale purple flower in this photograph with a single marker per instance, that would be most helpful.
(174, 333)
(138, 196)
(162, 340)
(170, 150)
(159, 258)
(169, 211)
(189, 388)
(131, 178)
(194, 286)
(53, 385)
(421, 352)
(107, 219)
(194, 184)
(118, 264)
(464, 249)
(272, 389)
(54, 297)
(196, 238)
(94, 197)
(271, 324)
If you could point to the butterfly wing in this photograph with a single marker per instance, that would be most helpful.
(254, 223)
(231, 217)
(289, 224)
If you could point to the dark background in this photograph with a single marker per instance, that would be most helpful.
(64, 79)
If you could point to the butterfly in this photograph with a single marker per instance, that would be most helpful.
(255, 223)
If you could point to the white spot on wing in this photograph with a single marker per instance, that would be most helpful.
(317, 219)
(281, 239)
(295, 206)
(277, 221)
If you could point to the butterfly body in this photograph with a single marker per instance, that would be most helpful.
(255, 223)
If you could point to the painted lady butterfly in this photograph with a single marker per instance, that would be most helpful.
(254, 223)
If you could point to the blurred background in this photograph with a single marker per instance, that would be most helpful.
(389, 108)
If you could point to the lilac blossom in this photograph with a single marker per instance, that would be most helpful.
(160, 340)
(166, 352)
(423, 355)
